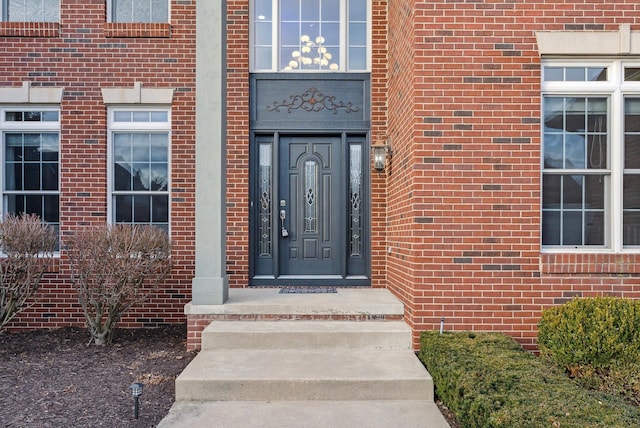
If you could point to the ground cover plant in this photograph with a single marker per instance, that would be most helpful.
(487, 380)
(113, 268)
(597, 342)
(26, 246)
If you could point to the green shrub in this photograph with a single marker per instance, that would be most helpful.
(591, 331)
(487, 380)
(597, 341)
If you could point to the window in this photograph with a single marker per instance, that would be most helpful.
(139, 182)
(310, 35)
(591, 155)
(30, 10)
(138, 10)
(31, 147)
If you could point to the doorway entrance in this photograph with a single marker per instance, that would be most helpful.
(309, 179)
(310, 216)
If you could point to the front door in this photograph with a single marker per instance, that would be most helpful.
(311, 206)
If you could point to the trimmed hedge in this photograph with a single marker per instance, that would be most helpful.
(487, 380)
(595, 331)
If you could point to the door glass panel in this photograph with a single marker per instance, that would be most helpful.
(310, 196)
(264, 212)
(355, 193)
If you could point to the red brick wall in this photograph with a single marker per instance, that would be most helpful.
(238, 142)
(84, 54)
(465, 181)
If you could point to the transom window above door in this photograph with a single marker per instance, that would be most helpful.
(310, 35)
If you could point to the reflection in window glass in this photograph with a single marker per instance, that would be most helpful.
(140, 167)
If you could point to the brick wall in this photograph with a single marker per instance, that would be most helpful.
(83, 54)
(465, 180)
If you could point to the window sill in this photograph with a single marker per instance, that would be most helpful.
(29, 29)
(137, 29)
(590, 263)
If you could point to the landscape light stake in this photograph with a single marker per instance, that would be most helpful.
(136, 392)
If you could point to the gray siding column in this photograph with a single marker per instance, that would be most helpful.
(210, 285)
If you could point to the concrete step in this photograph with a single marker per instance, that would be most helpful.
(288, 374)
(307, 335)
(308, 414)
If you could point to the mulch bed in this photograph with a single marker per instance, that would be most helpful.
(56, 379)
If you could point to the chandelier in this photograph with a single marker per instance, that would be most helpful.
(311, 53)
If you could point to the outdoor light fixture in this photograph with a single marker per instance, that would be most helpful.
(136, 392)
(381, 150)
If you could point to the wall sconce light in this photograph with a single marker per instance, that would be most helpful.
(381, 150)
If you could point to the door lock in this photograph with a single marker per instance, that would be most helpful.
(283, 230)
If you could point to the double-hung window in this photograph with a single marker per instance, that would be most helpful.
(30, 10)
(591, 155)
(139, 166)
(31, 147)
(138, 10)
(310, 35)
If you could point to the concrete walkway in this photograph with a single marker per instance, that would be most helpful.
(320, 373)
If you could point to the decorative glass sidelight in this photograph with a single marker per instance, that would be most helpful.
(355, 199)
(265, 211)
(310, 196)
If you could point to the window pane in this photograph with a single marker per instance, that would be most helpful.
(357, 10)
(140, 147)
(140, 10)
(551, 228)
(357, 59)
(631, 228)
(121, 147)
(262, 10)
(290, 10)
(309, 35)
(49, 176)
(574, 74)
(32, 176)
(632, 115)
(123, 208)
(32, 10)
(159, 177)
(122, 179)
(159, 116)
(160, 209)
(553, 74)
(141, 178)
(632, 74)
(594, 228)
(358, 34)
(159, 148)
(572, 228)
(262, 58)
(331, 10)
(310, 11)
(51, 211)
(597, 74)
(262, 33)
(142, 209)
(551, 191)
(631, 192)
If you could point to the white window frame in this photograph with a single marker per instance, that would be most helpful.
(4, 13)
(133, 127)
(275, 41)
(615, 89)
(110, 14)
(27, 127)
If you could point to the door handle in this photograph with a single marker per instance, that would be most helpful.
(283, 230)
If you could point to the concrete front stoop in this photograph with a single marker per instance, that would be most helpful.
(305, 373)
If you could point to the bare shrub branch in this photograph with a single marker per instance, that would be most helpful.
(113, 268)
(27, 246)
